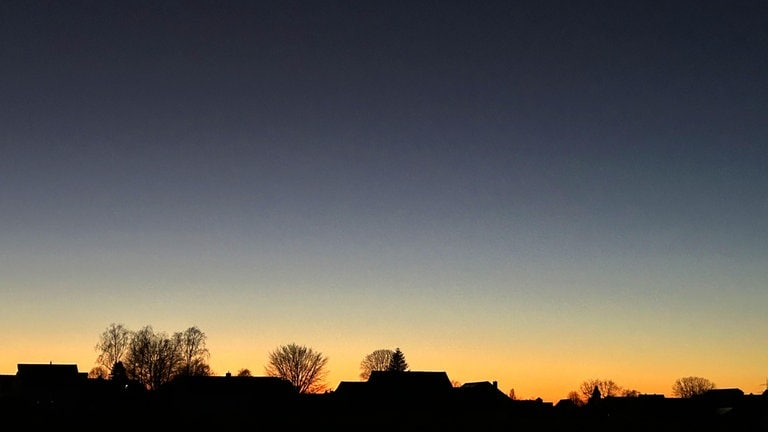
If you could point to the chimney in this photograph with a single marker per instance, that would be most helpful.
(495, 384)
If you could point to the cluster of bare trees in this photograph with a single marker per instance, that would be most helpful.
(383, 360)
(306, 368)
(683, 388)
(598, 387)
(691, 386)
(149, 357)
(154, 358)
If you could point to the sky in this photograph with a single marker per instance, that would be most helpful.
(537, 193)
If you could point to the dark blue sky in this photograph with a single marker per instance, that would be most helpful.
(422, 148)
(381, 103)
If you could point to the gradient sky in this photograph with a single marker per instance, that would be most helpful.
(537, 193)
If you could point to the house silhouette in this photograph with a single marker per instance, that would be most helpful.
(44, 396)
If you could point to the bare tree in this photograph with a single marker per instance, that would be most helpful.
(194, 353)
(300, 365)
(605, 387)
(576, 398)
(244, 372)
(691, 386)
(630, 393)
(113, 345)
(375, 361)
(139, 358)
(200, 367)
(98, 372)
(153, 359)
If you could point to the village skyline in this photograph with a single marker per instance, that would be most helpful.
(105, 356)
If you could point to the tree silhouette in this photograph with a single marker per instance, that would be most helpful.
(397, 362)
(691, 386)
(98, 372)
(153, 359)
(119, 373)
(595, 396)
(194, 353)
(576, 398)
(375, 361)
(245, 372)
(300, 365)
(605, 387)
(630, 393)
(113, 345)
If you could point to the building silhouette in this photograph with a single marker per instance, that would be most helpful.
(43, 396)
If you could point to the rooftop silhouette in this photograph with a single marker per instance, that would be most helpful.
(46, 395)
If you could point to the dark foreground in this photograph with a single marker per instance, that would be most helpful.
(51, 398)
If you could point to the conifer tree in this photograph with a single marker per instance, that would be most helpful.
(397, 362)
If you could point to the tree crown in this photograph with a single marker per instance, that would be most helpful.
(397, 362)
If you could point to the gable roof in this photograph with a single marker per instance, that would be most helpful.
(48, 373)
(351, 388)
(482, 390)
(435, 381)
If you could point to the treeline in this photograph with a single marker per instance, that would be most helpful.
(154, 358)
